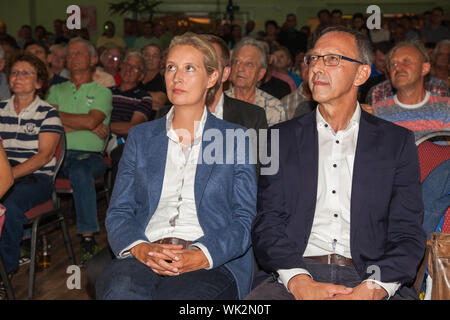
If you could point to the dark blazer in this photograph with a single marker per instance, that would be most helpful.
(386, 202)
(243, 113)
(225, 195)
(237, 112)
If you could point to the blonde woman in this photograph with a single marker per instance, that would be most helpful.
(178, 223)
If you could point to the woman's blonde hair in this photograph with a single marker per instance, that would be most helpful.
(210, 57)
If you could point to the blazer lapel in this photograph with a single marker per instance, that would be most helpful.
(366, 148)
(204, 169)
(156, 155)
(307, 147)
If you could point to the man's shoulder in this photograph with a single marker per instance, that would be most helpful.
(244, 106)
(268, 97)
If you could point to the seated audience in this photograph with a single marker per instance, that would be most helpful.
(413, 107)
(435, 31)
(111, 59)
(131, 106)
(248, 66)
(109, 38)
(41, 51)
(153, 82)
(83, 105)
(440, 66)
(281, 65)
(57, 60)
(30, 129)
(169, 244)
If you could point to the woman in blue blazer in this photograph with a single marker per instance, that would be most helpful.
(185, 195)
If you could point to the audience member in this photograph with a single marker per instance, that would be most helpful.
(281, 65)
(153, 82)
(57, 60)
(358, 208)
(336, 18)
(24, 36)
(248, 65)
(291, 38)
(378, 68)
(131, 106)
(413, 107)
(435, 31)
(108, 38)
(207, 252)
(411, 33)
(111, 59)
(324, 22)
(129, 32)
(440, 66)
(250, 29)
(41, 51)
(83, 105)
(30, 153)
(147, 36)
(5, 93)
(300, 101)
(271, 84)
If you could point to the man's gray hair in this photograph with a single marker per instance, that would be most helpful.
(247, 41)
(137, 54)
(362, 43)
(417, 44)
(439, 45)
(91, 49)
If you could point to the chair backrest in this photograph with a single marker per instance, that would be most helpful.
(430, 154)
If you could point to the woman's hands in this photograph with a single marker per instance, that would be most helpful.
(169, 259)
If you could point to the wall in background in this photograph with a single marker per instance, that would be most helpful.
(42, 12)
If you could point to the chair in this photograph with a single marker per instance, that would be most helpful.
(430, 156)
(42, 217)
(3, 274)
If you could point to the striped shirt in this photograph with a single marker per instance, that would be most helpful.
(431, 114)
(20, 132)
(126, 103)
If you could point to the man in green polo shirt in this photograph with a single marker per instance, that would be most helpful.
(83, 105)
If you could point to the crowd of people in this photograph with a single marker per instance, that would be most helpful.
(328, 92)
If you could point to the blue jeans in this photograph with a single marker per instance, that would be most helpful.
(436, 197)
(82, 168)
(22, 196)
(129, 279)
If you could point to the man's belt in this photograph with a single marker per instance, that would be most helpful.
(174, 241)
(333, 259)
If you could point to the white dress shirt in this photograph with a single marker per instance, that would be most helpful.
(218, 111)
(330, 233)
(176, 214)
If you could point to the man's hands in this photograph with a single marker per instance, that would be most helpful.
(305, 288)
(101, 131)
(169, 259)
(368, 290)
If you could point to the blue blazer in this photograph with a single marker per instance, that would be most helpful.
(386, 202)
(225, 196)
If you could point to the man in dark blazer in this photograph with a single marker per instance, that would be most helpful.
(342, 217)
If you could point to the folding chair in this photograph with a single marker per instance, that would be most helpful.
(430, 156)
(43, 216)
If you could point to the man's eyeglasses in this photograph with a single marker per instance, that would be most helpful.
(24, 73)
(134, 68)
(328, 59)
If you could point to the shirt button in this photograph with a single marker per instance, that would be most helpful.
(326, 126)
(335, 215)
(333, 192)
(337, 141)
(334, 165)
